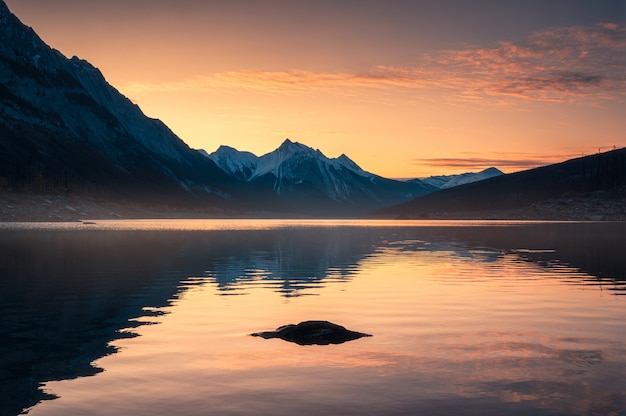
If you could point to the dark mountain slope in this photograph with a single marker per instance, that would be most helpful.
(604, 172)
(63, 128)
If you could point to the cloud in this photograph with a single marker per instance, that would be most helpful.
(275, 82)
(505, 161)
(563, 64)
(480, 163)
(572, 64)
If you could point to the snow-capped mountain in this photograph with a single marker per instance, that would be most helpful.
(64, 128)
(309, 180)
(314, 183)
(241, 165)
(451, 181)
(249, 166)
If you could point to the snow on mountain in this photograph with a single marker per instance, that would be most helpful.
(287, 153)
(348, 163)
(293, 163)
(241, 165)
(248, 166)
(451, 181)
(470, 177)
(307, 178)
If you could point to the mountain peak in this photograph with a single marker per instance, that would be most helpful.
(493, 171)
(292, 147)
(348, 163)
(288, 150)
(288, 144)
(226, 149)
(239, 164)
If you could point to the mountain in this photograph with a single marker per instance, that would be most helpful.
(63, 128)
(450, 181)
(315, 184)
(582, 188)
(241, 165)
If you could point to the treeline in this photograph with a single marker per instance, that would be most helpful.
(44, 160)
(604, 171)
(32, 176)
(31, 161)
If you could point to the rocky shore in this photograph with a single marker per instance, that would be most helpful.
(24, 207)
(597, 206)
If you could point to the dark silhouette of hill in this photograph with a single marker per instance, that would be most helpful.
(64, 129)
(602, 175)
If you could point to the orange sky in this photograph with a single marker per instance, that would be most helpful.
(405, 88)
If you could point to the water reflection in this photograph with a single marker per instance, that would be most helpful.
(289, 262)
(66, 295)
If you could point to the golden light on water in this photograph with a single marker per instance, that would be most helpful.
(477, 323)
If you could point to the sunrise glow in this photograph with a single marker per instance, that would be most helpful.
(406, 90)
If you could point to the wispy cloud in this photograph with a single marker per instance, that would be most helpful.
(477, 163)
(561, 65)
(276, 82)
(505, 161)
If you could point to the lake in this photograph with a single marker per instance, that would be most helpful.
(467, 317)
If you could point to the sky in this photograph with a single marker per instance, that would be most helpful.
(404, 88)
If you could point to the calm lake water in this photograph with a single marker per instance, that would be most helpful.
(468, 318)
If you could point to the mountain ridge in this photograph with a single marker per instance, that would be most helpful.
(64, 131)
(64, 128)
(314, 183)
(590, 187)
(451, 181)
(338, 179)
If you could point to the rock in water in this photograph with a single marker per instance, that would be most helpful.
(313, 333)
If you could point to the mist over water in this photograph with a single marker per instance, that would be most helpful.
(153, 317)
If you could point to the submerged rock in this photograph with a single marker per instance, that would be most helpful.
(313, 333)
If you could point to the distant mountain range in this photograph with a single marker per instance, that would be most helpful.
(306, 178)
(451, 181)
(596, 181)
(65, 130)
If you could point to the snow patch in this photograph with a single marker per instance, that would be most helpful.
(451, 181)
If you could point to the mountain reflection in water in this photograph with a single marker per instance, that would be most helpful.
(67, 295)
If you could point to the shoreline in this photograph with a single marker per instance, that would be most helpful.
(51, 207)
